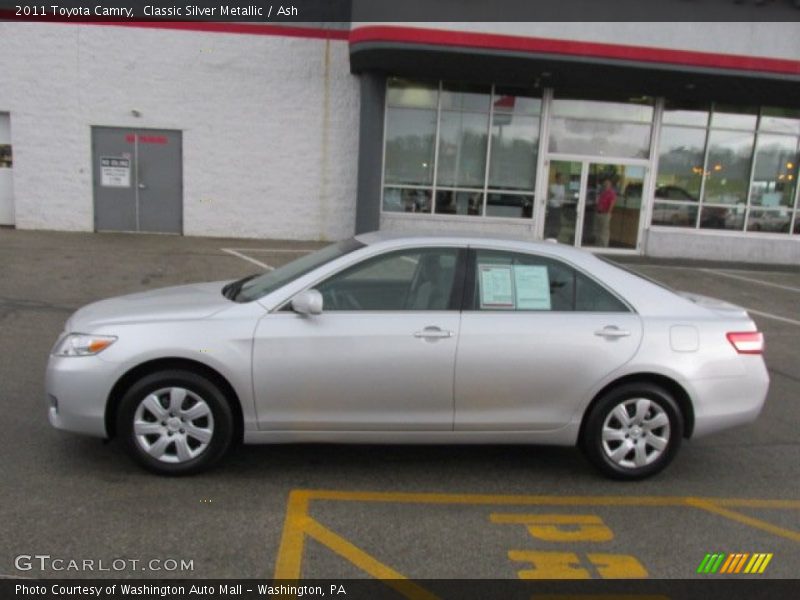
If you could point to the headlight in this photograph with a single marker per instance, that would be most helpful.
(80, 344)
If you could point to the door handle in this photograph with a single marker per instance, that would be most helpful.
(612, 332)
(433, 332)
(142, 186)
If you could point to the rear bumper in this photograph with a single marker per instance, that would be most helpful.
(77, 390)
(722, 403)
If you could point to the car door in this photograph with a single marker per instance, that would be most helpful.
(536, 336)
(380, 356)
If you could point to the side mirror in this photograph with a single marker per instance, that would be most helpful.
(308, 302)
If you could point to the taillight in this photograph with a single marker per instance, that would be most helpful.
(747, 342)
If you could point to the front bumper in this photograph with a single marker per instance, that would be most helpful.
(77, 390)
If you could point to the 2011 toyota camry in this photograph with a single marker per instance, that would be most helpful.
(388, 339)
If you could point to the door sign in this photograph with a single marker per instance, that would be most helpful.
(115, 172)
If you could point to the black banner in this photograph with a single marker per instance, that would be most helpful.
(346, 11)
(371, 589)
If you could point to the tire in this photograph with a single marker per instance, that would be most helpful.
(651, 434)
(175, 422)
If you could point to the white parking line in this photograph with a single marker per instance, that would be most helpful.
(771, 316)
(750, 279)
(273, 250)
(233, 252)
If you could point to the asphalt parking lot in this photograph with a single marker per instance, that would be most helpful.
(373, 511)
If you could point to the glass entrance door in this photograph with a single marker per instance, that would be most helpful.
(564, 192)
(602, 201)
(612, 205)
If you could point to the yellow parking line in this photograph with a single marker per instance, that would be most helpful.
(299, 524)
(497, 499)
(290, 552)
(744, 519)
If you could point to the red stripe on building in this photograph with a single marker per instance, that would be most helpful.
(536, 45)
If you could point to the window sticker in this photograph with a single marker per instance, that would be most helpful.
(532, 284)
(496, 286)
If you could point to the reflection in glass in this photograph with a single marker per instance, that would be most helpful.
(410, 140)
(515, 141)
(775, 173)
(734, 117)
(776, 221)
(456, 96)
(599, 138)
(680, 163)
(509, 205)
(613, 111)
(563, 191)
(673, 214)
(728, 167)
(797, 222)
(406, 200)
(686, 113)
(516, 100)
(721, 217)
(462, 149)
(781, 120)
(412, 94)
(613, 206)
(459, 203)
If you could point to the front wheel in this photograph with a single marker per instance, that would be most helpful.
(633, 431)
(175, 422)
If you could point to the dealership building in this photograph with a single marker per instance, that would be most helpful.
(668, 139)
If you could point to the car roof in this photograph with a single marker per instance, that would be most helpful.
(645, 296)
(551, 247)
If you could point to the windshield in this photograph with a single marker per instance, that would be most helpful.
(253, 287)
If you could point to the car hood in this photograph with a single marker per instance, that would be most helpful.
(184, 302)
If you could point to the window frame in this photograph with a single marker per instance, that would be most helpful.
(456, 291)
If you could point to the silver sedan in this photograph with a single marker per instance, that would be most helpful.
(390, 339)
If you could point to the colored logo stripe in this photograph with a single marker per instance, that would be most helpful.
(739, 562)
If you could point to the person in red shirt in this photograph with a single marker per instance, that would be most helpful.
(602, 220)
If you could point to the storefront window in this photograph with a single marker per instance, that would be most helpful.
(410, 135)
(780, 120)
(684, 113)
(680, 176)
(462, 149)
(728, 167)
(733, 117)
(603, 111)
(410, 144)
(775, 173)
(595, 128)
(515, 144)
(599, 138)
(476, 128)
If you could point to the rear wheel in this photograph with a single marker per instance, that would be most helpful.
(633, 431)
(175, 422)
